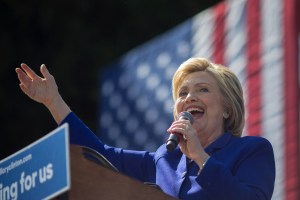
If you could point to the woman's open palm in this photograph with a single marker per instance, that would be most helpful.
(41, 89)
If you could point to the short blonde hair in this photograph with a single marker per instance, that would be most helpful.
(228, 84)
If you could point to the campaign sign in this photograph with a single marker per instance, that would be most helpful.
(39, 171)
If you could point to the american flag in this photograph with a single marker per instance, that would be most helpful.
(257, 39)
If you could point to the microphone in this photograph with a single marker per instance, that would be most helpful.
(173, 140)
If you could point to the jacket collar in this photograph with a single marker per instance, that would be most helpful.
(221, 142)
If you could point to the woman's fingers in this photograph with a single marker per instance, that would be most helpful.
(30, 83)
(45, 71)
(25, 82)
(26, 75)
(23, 78)
(48, 78)
(24, 89)
(180, 126)
(29, 72)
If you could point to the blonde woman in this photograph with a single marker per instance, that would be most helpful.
(212, 160)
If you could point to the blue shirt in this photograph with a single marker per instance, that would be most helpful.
(238, 169)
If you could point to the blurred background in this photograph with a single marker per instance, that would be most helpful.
(75, 39)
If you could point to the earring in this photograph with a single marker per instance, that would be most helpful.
(225, 115)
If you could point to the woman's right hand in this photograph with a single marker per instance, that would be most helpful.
(43, 90)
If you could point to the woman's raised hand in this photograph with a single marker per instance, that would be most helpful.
(43, 90)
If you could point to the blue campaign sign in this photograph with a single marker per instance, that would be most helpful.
(38, 171)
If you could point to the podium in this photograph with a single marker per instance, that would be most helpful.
(91, 180)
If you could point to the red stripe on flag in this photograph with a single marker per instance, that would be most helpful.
(253, 67)
(291, 53)
(219, 33)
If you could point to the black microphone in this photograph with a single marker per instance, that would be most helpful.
(173, 140)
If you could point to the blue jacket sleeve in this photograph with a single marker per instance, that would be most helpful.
(136, 164)
(251, 177)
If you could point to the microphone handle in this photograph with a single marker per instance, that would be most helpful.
(172, 142)
(174, 138)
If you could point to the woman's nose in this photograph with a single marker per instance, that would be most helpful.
(191, 97)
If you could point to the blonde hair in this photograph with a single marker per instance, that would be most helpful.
(228, 84)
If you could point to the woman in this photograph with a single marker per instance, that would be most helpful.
(213, 161)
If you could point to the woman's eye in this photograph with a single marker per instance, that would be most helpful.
(203, 89)
(183, 93)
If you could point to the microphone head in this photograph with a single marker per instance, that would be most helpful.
(187, 116)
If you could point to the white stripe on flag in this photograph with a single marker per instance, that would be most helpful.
(272, 86)
(202, 27)
(235, 42)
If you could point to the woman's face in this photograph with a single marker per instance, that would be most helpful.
(199, 94)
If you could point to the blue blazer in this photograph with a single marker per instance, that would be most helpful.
(239, 168)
